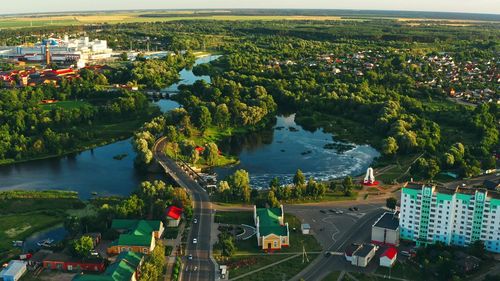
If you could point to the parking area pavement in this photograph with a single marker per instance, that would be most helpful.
(330, 222)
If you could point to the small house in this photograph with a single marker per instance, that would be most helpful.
(136, 235)
(349, 251)
(14, 271)
(388, 257)
(173, 216)
(363, 255)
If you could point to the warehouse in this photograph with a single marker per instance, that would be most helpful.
(385, 231)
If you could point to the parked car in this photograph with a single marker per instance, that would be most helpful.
(355, 208)
(190, 257)
(195, 240)
(327, 254)
(332, 211)
(195, 221)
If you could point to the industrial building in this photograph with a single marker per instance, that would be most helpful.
(13, 271)
(385, 231)
(79, 51)
(456, 216)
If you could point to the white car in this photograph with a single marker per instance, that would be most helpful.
(195, 221)
(195, 240)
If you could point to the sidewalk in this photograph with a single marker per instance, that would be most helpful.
(170, 259)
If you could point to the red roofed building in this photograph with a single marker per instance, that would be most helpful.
(173, 215)
(388, 257)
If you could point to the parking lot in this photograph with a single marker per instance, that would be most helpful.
(331, 222)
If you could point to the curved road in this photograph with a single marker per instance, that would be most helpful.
(201, 267)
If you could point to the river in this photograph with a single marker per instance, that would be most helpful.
(281, 150)
(275, 152)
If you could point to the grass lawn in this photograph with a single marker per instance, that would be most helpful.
(282, 271)
(20, 226)
(65, 104)
(329, 196)
(234, 217)
(332, 276)
(171, 232)
(400, 270)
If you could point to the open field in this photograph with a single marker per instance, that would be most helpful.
(65, 104)
(23, 21)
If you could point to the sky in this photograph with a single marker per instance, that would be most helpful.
(39, 6)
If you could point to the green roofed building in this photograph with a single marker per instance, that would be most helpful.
(136, 235)
(272, 231)
(125, 268)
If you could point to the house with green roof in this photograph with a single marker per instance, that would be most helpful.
(272, 231)
(125, 268)
(136, 235)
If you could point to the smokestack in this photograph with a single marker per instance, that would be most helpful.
(47, 53)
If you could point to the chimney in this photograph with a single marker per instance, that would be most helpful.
(47, 53)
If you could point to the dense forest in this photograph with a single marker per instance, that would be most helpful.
(379, 81)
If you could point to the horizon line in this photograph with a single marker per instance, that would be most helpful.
(242, 9)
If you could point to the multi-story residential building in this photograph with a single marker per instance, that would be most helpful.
(456, 216)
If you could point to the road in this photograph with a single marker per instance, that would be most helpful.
(322, 266)
(201, 266)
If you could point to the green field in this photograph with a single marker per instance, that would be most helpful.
(234, 217)
(65, 105)
(131, 17)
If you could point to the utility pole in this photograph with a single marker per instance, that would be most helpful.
(304, 254)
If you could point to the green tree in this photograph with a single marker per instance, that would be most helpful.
(211, 153)
(391, 203)
(299, 179)
(272, 200)
(82, 246)
(347, 186)
(240, 185)
(389, 146)
(222, 116)
(202, 118)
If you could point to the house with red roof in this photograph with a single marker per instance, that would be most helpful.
(173, 216)
(388, 257)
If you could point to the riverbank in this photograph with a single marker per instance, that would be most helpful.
(105, 133)
(25, 213)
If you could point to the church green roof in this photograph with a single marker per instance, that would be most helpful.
(121, 270)
(269, 222)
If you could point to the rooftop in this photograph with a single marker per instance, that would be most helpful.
(140, 232)
(122, 269)
(269, 222)
(390, 253)
(364, 250)
(12, 268)
(174, 212)
(388, 220)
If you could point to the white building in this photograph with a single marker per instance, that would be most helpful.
(385, 231)
(14, 271)
(388, 257)
(80, 50)
(363, 255)
(457, 216)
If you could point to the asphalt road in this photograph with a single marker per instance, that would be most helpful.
(201, 266)
(360, 231)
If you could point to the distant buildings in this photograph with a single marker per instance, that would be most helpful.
(457, 216)
(272, 231)
(136, 235)
(385, 231)
(79, 51)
